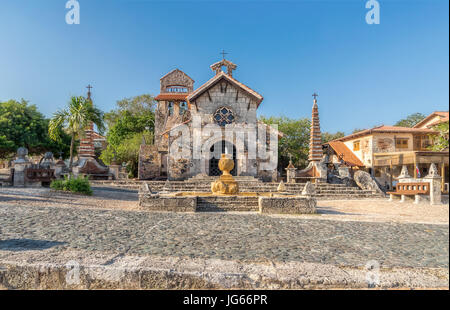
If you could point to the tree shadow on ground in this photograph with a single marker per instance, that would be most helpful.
(27, 244)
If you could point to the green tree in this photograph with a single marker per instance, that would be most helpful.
(410, 120)
(73, 120)
(135, 106)
(326, 136)
(295, 140)
(127, 151)
(22, 124)
(129, 124)
(440, 141)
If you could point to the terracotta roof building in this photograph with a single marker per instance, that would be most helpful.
(383, 150)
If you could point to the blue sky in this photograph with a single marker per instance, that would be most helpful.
(365, 75)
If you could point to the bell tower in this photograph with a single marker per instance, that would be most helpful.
(172, 107)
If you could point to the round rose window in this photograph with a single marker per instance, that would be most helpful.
(223, 116)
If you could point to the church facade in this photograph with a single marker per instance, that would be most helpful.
(193, 127)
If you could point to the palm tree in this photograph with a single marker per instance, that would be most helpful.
(79, 113)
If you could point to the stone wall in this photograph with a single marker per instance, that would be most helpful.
(287, 205)
(244, 108)
(150, 202)
(179, 169)
(149, 162)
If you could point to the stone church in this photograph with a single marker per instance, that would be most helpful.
(221, 102)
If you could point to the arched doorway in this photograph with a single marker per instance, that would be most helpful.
(221, 147)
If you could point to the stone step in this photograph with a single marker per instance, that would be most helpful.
(323, 190)
(343, 191)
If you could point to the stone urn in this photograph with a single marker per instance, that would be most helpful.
(22, 153)
(226, 165)
(225, 185)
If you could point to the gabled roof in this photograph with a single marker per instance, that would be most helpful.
(440, 121)
(176, 70)
(347, 155)
(216, 79)
(385, 129)
(443, 117)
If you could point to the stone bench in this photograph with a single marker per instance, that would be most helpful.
(410, 189)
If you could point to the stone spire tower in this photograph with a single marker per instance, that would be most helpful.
(87, 148)
(315, 141)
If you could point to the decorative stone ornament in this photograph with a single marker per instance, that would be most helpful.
(309, 189)
(281, 187)
(22, 152)
(433, 173)
(290, 172)
(226, 185)
(404, 173)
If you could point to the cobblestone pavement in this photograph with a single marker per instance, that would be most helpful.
(243, 237)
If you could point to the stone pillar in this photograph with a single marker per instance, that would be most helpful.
(20, 164)
(59, 168)
(114, 170)
(417, 199)
(435, 185)
(19, 174)
(391, 197)
(291, 172)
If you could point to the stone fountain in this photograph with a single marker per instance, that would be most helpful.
(225, 196)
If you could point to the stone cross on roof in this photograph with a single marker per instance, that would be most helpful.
(223, 54)
(89, 87)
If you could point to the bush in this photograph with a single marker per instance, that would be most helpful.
(75, 185)
(57, 184)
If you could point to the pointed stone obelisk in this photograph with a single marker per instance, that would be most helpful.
(87, 165)
(87, 148)
(316, 169)
(315, 140)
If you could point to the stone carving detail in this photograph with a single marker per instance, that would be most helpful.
(47, 160)
(22, 153)
(309, 189)
(404, 173)
(281, 187)
(145, 188)
(433, 173)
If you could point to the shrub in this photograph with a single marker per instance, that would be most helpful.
(57, 184)
(75, 185)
